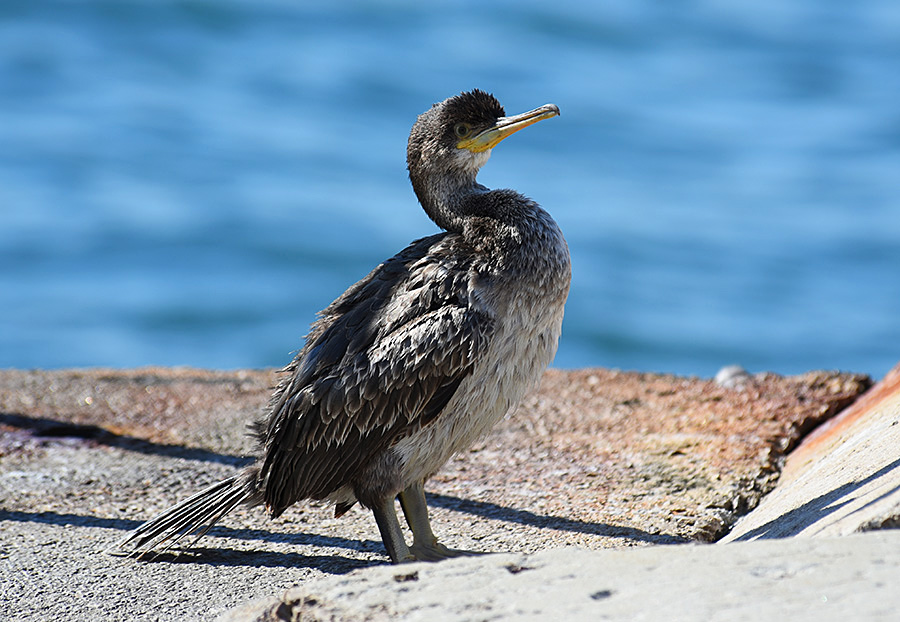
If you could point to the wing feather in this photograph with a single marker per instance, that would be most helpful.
(383, 361)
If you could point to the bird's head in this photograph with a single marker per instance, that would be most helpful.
(450, 142)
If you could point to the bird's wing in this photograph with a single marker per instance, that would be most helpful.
(383, 361)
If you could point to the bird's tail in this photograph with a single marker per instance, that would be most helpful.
(194, 516)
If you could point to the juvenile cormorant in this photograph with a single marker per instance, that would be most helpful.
(417, 360)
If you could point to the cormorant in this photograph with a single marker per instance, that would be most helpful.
(417, 360)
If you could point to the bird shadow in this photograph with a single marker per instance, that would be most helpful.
(229, 557)
(226, 556)
(542, 521)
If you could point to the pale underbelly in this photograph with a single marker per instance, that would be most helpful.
(513, 366)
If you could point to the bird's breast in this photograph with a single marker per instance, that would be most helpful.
(525, 293)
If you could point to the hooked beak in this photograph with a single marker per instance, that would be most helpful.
(506, 126)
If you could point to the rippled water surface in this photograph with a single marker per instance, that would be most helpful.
(187, 183)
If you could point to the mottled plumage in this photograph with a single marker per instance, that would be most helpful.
(418, 359)
(383, 361)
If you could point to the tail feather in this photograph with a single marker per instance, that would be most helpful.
(195, 515)
(187, 513)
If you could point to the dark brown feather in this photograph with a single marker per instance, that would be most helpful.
(383, 361)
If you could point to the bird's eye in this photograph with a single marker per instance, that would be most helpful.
(462, 129)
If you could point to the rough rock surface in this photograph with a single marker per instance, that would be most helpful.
(835, 579)
(595, 458)
(843, 478)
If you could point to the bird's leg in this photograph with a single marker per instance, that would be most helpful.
(425, 545)
(391, 534)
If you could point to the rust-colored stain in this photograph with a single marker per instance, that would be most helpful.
(837, 427)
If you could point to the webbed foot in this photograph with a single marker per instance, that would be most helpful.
(435, 551)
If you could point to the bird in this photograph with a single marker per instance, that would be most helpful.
(416, 361)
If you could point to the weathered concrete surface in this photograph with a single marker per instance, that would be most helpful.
(595, 458)
(843, 478)
(837, 579)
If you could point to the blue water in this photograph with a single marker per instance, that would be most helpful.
(187, 183)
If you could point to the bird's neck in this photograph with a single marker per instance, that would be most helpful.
(445, 197)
